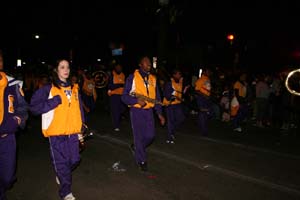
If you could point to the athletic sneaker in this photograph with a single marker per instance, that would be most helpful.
(238, 129)
(143, 166)
(57, 180)
(170, 142)
(172, 137)
(69, 197)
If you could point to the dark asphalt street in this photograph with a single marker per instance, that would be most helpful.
(255, 164)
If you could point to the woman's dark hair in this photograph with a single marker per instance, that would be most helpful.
(55, 79)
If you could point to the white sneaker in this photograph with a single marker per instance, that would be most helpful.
(69, 197)
(117, 129)
(170, 142)
(239, 129)
(57, 180)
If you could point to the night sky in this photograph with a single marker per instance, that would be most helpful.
(268, 31)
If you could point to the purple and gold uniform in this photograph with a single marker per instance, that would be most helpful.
(240, 89)
(173, 98)
(115, 91)
(203, 87)
(13, 107)
(62, 118)
(89, 96)
(142, 119)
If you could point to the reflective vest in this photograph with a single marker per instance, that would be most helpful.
(139, 86)
(3, 84)
(65, 119)
(89, 88)
(241, 88)
(117, 79)
(203, 85)
(177, 92)
(234, 107)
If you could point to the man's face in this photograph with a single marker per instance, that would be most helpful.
(118, 68)
(208, 72)
(145, 64)
(74, 79)
(88, 75)
(177, 76)
(243, 77)
(1, 62)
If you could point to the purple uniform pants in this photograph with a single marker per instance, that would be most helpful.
(117, 108)
(203, 103)
(88, 102)
(65, 157)
(175, 117)
(143, 128)
(7, 162)
(241, 115)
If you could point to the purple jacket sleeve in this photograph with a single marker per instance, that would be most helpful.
(40, 103)
(126, 98)
(22, 108)
(81, 109)
(168, 91)
(158, 107)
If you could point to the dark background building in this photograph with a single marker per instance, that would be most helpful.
(186, 33)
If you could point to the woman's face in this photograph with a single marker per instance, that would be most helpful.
(63, 70)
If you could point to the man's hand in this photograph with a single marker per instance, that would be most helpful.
(162, 119)
(81, 142)
(141, 103)
(18, 120)
(86, 109)
(186, 88)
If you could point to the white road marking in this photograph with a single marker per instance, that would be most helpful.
(208, 167)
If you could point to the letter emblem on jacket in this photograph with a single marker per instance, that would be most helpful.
(11, 100)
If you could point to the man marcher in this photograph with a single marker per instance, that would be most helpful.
(115, 91)
(203, 90)
(173, 93)
(139, 86)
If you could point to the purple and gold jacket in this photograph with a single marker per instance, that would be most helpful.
(129, 100)
(12, 105)
(41, 103)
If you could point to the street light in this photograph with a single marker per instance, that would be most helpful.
(230, 37)
(19, 63)
(37, 37)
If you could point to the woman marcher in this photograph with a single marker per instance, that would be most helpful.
(62, 120)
